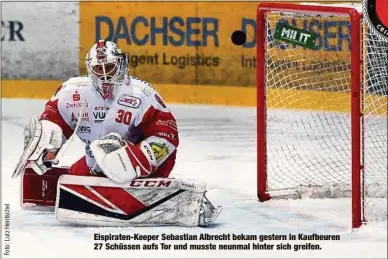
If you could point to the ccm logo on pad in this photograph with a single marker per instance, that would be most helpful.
(150, 183)
(129, 101)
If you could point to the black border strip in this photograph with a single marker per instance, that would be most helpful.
(70, 201)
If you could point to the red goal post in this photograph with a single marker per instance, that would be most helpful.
(267, 80)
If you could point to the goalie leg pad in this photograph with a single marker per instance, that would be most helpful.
(99, 201)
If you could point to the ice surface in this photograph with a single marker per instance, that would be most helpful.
(218, 146)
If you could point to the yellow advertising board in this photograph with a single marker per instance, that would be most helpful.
(189, 42)
(184, 50)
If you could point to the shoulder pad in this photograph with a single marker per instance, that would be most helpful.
(144, 88)
(78, 81)
(73, 83)
(139, 82)
(141, 86)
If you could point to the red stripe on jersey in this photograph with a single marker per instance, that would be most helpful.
(51, 113)
(121, 199)
(82, 190)
(155, 122)
(166, 167)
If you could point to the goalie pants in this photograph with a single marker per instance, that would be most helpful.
(41, 189)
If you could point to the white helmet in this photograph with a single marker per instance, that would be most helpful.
(107, 65)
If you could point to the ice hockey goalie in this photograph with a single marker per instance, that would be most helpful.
(131, 140)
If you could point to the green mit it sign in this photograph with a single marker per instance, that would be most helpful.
(294, 35)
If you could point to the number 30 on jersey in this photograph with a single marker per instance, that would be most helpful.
(123, 117)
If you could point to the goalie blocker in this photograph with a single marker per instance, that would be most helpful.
(142, 202)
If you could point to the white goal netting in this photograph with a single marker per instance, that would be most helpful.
(308, 112)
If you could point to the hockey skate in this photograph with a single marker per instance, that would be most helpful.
(208, 213)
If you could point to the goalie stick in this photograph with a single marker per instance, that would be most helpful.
(66, 145)
(30, 148)
(37, 129)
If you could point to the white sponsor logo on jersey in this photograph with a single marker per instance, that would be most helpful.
(169, 123)
(73, 105)
(85, 117)
(99, 117)
(101, 108)
(129, 101)
(166, 135)
(84, 129)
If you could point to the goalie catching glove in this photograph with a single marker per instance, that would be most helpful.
(42, 141)
(120, 161)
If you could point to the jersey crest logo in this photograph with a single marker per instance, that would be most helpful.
(129, 101)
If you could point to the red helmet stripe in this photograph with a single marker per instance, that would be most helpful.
(100, 53)
(100, 44)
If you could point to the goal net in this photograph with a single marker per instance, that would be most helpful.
(322, 112)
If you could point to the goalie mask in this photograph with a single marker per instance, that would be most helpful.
(107, 65)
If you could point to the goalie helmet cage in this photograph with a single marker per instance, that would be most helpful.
(320, 101)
